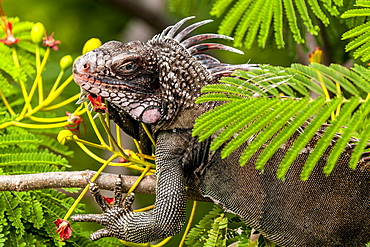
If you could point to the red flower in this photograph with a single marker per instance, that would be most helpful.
(109, 200)
(49, 41)
(121, 160)
(8, 29)
(63, 229)
(97, 104)
(74, 123)
(316, 56)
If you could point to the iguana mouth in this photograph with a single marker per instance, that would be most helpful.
(88, 82)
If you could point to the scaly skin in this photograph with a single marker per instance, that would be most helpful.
(157, 83)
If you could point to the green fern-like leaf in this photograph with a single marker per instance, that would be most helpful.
(14, 213)
(251, 19)
(54, 145)
(260, 116)
(26, 140)
(327, 138)
(361, 33)
(43, 157)
(199, 234)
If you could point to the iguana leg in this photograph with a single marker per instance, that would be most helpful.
(168, 215)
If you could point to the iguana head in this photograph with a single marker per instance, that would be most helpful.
(152, 80)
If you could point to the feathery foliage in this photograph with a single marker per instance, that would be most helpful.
(218, 228)
(271, 104)
(258, 20)
(26, 146)
(361, 34)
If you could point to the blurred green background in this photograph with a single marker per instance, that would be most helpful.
(76, 21)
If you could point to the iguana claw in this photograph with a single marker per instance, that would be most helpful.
(114, 214)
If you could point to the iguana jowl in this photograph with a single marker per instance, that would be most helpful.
(157, 83)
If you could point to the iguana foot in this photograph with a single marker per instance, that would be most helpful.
(114, 215)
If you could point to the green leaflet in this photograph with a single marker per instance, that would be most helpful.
(357, 119)
(232, 17)
(14, 213)
(262, 119)
(267, 119)
(253, 110)
(292, 20)
(356, 76)
(292, 107)
(224, 88)
(21, 140)
(40, 157)
(208, 230)
(267, 11)
(212, 97)
(305, 113)
(219, 7)
(322, 115)
(361, 33)
(54, 145)
(337, 77)
(251, 19)
(327, 138)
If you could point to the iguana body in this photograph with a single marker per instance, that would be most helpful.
(157, 83)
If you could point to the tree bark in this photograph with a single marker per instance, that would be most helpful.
(79, 179)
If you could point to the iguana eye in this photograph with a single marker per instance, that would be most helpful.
(126, 68)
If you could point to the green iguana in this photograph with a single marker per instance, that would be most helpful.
(157, 83)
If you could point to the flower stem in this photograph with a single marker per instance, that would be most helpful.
(27, 105)
(95, 128)
(21, 83)
(188, 226)
(38, 68)
(57, 81)
(47, 101)
(133, 187)
(148, 133)
(79, 198)
(32, 126)
(111, 138)
(6, 103)
(100, 146)
(63, 103)
(144, 209)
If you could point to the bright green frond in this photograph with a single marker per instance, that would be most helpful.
(358, 118)
(251, 19)
(267, 14)
(54, 145)
(359, 30)
(251, 112)
(24, 158)
(316, 9)
(361, 33)
(291, 127)
(327, 138)
(272, 113)
(288, 113)
(220, 6)
(336, 76)
(232, 17)
(212, 97)
(25, 140)
(265, 115)
(322, 115)
(356, 13)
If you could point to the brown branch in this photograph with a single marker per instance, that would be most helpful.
(79, 179)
